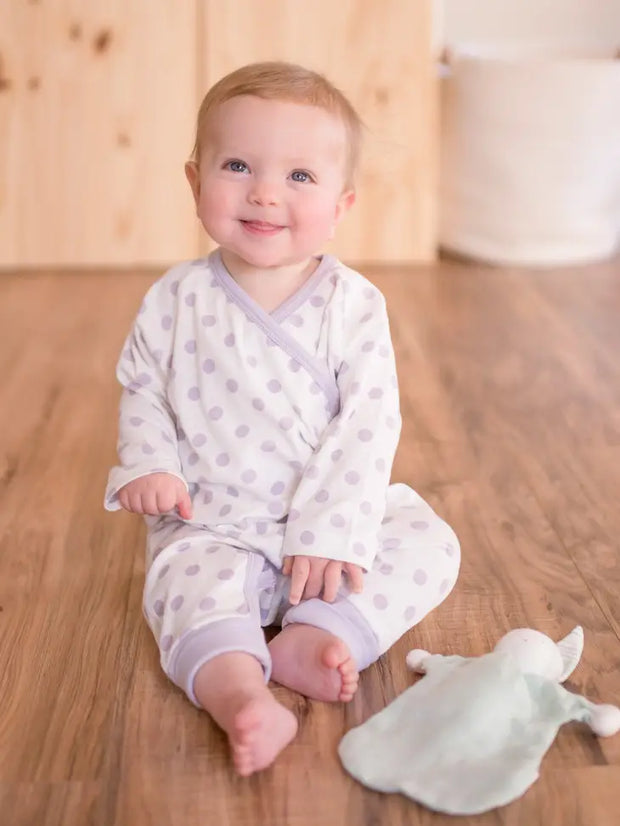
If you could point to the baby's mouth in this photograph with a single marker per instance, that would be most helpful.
(261, 227)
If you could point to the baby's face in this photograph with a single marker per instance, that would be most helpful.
(270, 187)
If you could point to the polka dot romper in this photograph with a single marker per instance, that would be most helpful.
(283, 426)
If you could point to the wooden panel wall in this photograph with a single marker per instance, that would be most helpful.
(97, 110)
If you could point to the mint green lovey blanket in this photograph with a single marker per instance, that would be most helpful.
(471, 735)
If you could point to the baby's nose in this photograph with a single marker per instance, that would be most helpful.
(264, 192)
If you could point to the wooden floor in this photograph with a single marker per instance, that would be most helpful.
(511, 402)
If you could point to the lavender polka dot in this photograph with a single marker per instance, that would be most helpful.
(208, 366)
(261, 528)
(143, 379)
(215, 413)
(193, 393)
(207, 604)
(248, 476)
(192, 570)
(384, 351)
(159, 607)
(268, 446)
(307, 538)
(391, 544)
(174, 287)
(184, 546)
(366, 317)
(386, 520)
(177, 602)
(208, 320)
(366, 508)
(296, 465)
(277, 488)
(136, 421)
(380, 602)
(390, 422)
(359, 549)
(190, 346)
(386, 569)
(355, 388)
(312, 472)
(166, 642)
(243, 609)
(365, 435)
(317, 301)
(449, 549)
(225, 510)
(199, 440)
(410, 612)
(293, 515)
(375, 393)
(336, 455)
(163, 572)
(232, 491)
(190, 299)
(286, 423)
(242, 431)
(297, 320)
(445, 583)
(252, 361)
(232, 386)
(274, 386)
(352, 477)
(226, 573)
(222, 460)
(419, 525)
(369, 293)
(148, 448)
(337, 520)
(275, 508)
(368, 346)
(229, 340)
(322, 496)
(314, 388)
(208, 497)
(420, 577)
(166, 322)
(193, 458)
(258, 404)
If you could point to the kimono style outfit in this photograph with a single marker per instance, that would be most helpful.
(283, 426)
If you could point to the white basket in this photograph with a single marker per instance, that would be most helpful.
(530, 164)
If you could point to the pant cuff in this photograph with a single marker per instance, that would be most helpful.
(342, 620)
(200, 645)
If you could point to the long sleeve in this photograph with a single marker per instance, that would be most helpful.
(338, 506)
(148, 439)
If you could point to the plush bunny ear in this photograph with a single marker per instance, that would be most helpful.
(571, 648)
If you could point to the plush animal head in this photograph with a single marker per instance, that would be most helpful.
(536, 653)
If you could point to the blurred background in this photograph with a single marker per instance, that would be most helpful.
(98, 102)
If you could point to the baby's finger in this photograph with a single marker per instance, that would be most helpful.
(185, 506)
(299, 577)
(355, 576)
(332, 580)
(287, 565)
(149, 503)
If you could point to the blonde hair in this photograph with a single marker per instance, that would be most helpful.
(277, 80)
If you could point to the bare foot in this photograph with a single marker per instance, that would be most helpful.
(313, 662)
(258, 732)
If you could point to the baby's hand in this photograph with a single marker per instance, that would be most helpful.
(311, 575)
(156, 493)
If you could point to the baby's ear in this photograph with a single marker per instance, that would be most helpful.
(345, 202)
(192, 173)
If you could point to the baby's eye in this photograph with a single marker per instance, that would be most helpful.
(301, 177)
(236, 166)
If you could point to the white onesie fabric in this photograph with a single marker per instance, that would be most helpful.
(283, 426)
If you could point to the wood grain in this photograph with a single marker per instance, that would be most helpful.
(511, 397)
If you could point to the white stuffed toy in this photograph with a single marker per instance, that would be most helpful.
(471, 735)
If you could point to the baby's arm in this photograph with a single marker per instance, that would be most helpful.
(156, 493)
(313, 576)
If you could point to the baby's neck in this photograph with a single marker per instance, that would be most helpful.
(269, 288)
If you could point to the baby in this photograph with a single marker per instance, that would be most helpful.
(258, 425)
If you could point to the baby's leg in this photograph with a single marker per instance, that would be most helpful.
(201, 601)
(231, 687)
(414, 571)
